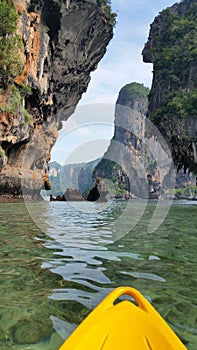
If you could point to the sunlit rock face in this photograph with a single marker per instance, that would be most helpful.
(63, 41)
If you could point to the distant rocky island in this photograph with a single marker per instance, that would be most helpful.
(73, 182)
(72, 176)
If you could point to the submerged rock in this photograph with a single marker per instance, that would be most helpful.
(32, 331)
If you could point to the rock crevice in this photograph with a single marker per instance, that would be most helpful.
(63, 43)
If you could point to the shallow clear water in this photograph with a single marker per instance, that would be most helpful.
(59, 259)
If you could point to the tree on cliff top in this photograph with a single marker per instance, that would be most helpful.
(133, 92)
(106, 7)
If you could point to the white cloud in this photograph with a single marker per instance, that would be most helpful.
(87, 151)
(126, 67)
(82, 144)
(88, 125)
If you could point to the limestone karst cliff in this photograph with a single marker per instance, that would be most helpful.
(127, 161)
(172, 107)
(58, 44)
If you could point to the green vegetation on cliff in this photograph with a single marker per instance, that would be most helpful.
(134, 94)
(14, 104)
(185, 192)
(11, 47)
(10, 44)
(106, 7)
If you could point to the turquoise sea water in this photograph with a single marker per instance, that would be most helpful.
(58, 260)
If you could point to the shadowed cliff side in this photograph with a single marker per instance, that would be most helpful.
(61, 44)
(172, 107)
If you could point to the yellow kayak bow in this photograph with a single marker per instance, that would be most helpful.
(123, 326)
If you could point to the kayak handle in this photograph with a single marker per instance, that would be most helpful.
(132, 292)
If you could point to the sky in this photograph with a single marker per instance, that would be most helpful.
(122, 64)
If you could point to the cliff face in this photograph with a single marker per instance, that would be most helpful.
(123, 165)
(171, 48)
(62, 42)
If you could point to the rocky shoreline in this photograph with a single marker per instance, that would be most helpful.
(79, 198)
(188, 198)
(9, 198)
